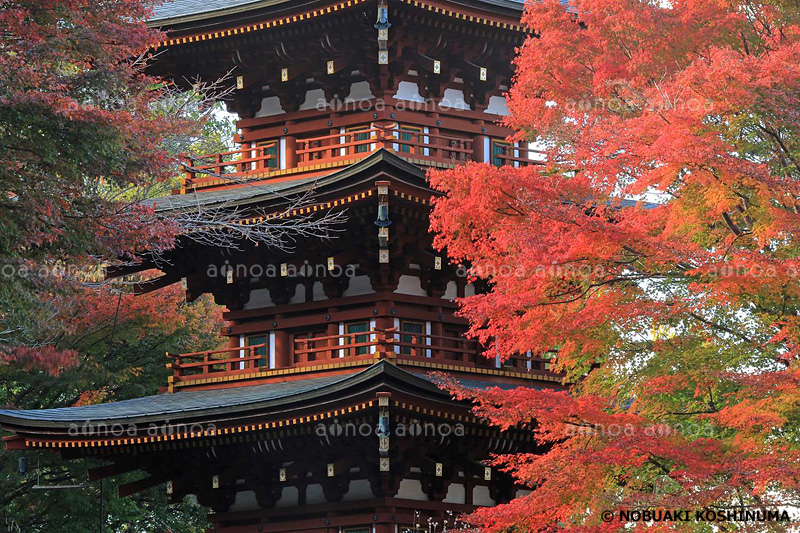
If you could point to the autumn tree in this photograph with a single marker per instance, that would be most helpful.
(654, 254)
(118, 341)
(82, 138)
(85, 136)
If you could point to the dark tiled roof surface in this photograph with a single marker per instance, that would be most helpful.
(183, 402)
(182, 8)
(255, 191)
(187, 404)
(177, 9)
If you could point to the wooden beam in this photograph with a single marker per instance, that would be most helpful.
(471, 69)
(140, 485)
(430, 65)
(114, 469)
(124, 270)
(154, 284)
(15, 442)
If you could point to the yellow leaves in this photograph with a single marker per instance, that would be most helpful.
(92, 397)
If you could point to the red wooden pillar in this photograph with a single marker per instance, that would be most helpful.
(384, 319)
(334, 141)
(437, 330)
(233, 341)
(291, 147)
(433, 141)
(291, 151)
(332, 330)
(477, 144)
(283, 349)
(384, 528)
(246, 153)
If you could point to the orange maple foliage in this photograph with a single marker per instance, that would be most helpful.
(87, 135)
(79, 312)
(654, 252)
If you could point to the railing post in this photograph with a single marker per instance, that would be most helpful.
(385, 323)
(384, 340)
(254, 362)
(189, 176)
(260, 155)
(241, 165)
(415, 339)
(380, 138)
(173, 365)
(175, 377)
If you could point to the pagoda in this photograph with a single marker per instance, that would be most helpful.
(323, 412)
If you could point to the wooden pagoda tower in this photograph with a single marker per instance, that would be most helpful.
(322, 414)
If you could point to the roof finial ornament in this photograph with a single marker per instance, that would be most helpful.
(382, 25)
(383, 16)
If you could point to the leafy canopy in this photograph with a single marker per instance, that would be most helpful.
(85, 135)
(675, 320)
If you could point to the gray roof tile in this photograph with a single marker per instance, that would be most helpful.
(195, 403)
(182, 8)
(177, 9)
(183, 402)
(254, 191)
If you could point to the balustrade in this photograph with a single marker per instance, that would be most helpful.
(228, 166)
(317, 352)
(228, 361)
(416, 143)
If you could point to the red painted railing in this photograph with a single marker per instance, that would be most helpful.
(310, 351)
(313, 353)
(430, 147)
(418, 145)
(338, 146)
(457, 351)
(227, 166)
(518, 156)
(433, 149)
(227, 361)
